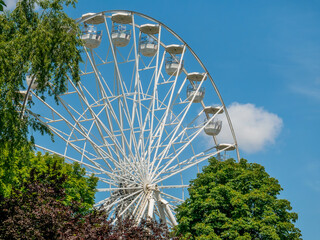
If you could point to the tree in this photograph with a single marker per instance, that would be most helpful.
(230, 200)
(38, 211)
(38, 44)
(1, 5)
(78, 187)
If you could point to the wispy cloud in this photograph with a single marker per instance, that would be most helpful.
(254, 126)
(312, 171)
(308, 89)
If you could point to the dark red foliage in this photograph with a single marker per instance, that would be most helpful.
(37, 212)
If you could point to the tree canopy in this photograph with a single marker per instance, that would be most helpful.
(34, 43)
(230, 200)
(78, 187)
(1, 5)
(41, 208)
(37, 44)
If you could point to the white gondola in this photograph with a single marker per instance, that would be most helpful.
(213, 109)
(172, 65)
(148, 46)
(192, 92)
(121, 18)
(91, 37)
(34, 85)
(120, 35)
(93, 18)
(173, 60)
(196, 76)
(226, 147)
(213, 128)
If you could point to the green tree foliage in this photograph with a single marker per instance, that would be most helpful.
(230, 200)
(78, 187)
(38, 211)
(39, 44)
(1, 5)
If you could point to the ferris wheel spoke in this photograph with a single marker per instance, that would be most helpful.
(60, 134)
(117, 189)
(120, 82)
(136, 208)
(86, 133)
(190, 164)
(168, 196)
(151, 112)
(124, 197)
(105, 201)
(173, 137)
(110, 182)
(187, 161)
(163, 123)
(69, 158)
(131, 204)
(187, 137)
(186, 144)
(143, 206)
(136, 88)
(172, 186)
(100, 124)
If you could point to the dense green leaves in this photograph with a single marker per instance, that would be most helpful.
(1, 5)
(232, 200)
(36, 43)
(78, 188)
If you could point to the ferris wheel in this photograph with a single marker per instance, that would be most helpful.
(138, 117)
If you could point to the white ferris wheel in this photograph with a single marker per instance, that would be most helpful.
(138, 116)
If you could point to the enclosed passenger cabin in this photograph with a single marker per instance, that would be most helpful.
(226, 147)
(192, 89)
(91, 37)
(213, 128)
(93, 18)
(119, 34)
(196, 76)
(173, 61)
(148, 46)
(193, 93)
(34, 84)
(213, 110)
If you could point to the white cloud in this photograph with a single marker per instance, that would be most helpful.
(254, 127)
(11, 4)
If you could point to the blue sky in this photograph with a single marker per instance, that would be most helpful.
(264, 54)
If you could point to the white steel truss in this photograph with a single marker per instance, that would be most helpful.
(131, 124)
